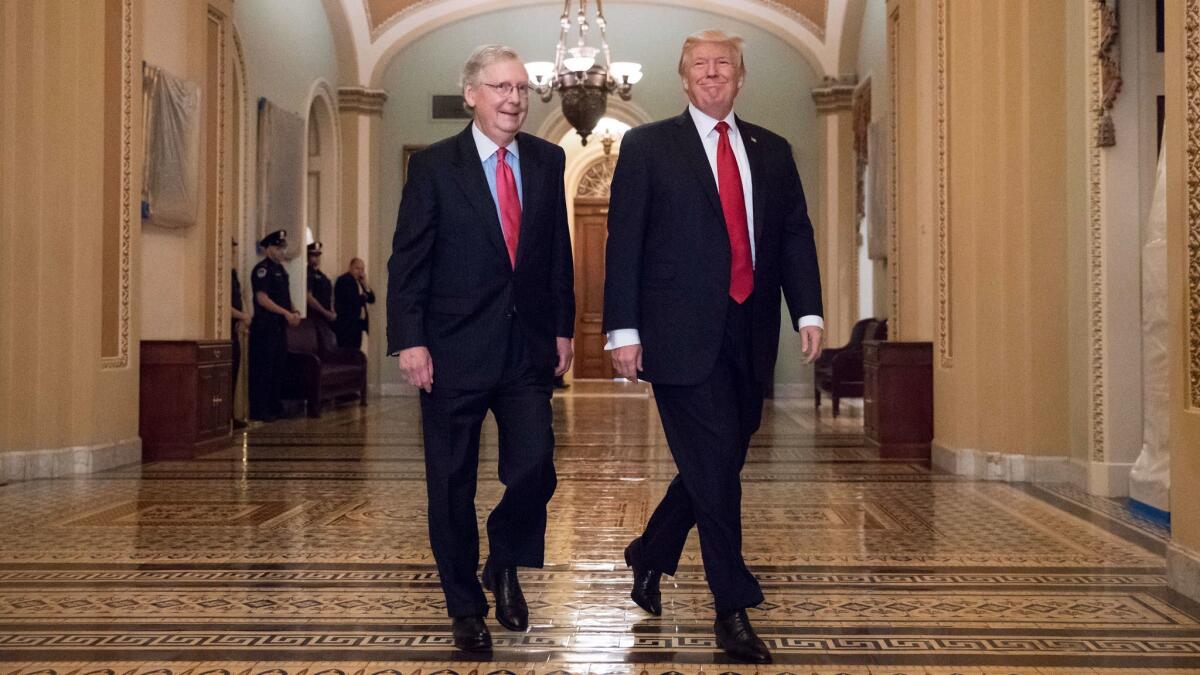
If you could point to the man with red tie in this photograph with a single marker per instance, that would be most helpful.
(707, 225)
(481, 312)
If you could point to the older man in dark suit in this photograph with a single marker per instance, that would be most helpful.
(481, 312)
(707, 224)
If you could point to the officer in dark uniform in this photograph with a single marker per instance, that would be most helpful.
(273, 313)
(320, 288)
(239, 322)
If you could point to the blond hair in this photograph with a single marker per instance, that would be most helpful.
(713, 36)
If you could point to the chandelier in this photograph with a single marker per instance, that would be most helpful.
(583, 80)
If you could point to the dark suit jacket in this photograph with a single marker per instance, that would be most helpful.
(451, 286)
(349, 304)
(667, 265)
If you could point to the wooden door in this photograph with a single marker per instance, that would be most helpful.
(591, 231)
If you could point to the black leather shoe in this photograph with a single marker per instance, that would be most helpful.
(736, 636)
(645, 584)
(511, 610)
(471, 634)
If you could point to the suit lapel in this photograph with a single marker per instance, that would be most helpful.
(758, 177)
(531, 184)
(474, 185)
(697, 159)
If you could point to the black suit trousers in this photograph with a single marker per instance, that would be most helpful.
(708, 427)
(516, 528)
(268, 366)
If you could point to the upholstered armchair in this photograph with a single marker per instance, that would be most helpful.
(839, 370)
(320, 372)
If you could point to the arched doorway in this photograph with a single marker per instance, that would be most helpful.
(321, 187)
(591, 230)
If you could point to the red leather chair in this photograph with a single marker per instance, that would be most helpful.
(320, 372)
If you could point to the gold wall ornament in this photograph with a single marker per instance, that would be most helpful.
(121, 359)
(945, 352)
(1096, 263)
(893, 259)
(220, 238)
(1192, 122)
(1108, 52)
(862, 154)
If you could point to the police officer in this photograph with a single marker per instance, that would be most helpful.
(320, 288)
(273, 313)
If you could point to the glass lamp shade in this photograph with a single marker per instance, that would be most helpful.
(580, 59)
(626, 71)
(540, 72)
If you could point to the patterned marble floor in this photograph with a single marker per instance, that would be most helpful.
(301, 549)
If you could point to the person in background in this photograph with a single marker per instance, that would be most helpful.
(320, 289)
(351, 295)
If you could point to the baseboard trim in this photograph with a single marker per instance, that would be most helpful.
(1001, 466)
(1183, 571)
(1107, 479)
(57, 462)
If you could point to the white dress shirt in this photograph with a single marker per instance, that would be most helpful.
(709, 136)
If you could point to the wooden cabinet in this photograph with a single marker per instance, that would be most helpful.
(186, 396)
(898, 398)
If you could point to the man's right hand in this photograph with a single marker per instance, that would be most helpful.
(293, 319)
(627, 361)
(417, 366)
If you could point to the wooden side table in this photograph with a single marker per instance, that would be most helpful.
(898, 398)
(186, 397)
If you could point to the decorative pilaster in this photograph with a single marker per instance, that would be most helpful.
(838, 239)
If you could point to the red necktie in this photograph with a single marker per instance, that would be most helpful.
(510, 204)
(733, 204)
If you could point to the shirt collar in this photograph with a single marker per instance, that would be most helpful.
(487, 147)
(705, 124)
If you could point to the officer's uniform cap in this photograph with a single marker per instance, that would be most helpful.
(276, 238)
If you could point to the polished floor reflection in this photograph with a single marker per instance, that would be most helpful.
(302, 549)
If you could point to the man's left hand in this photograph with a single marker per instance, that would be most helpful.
(811, 338)
(566, 352)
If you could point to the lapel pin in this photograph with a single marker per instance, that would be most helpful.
(753, 139)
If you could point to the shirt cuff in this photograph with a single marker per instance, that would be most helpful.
(622, 337)
(812, 320)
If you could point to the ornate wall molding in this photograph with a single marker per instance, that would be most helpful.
(1108, 52)
(837, 94)
(945, 351)
(243, 117)
(1192, 57)
(380, 22)
(893, 261)
(221, 314)
(1097, 376)
(121, 360)
(361, 100)
(597, 178)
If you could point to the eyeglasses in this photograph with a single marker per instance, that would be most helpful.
(507, 88)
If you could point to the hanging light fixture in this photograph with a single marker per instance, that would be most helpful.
(584, 75)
